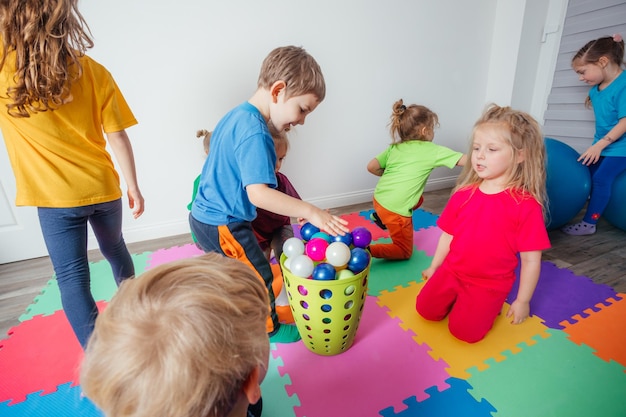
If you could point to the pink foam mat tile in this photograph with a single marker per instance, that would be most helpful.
(383, 367)
(427, 239)
(174, 253)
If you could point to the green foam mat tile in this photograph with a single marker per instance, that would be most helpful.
(385, 275)
(102, 287)
(276, 400)
(552, 378)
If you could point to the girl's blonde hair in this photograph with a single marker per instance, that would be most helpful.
(522, 132)
(408, 122)
(280, 138)
(47, 38)
(178, 341)
(206, 139)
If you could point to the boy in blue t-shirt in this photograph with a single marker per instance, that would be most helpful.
(238, 175)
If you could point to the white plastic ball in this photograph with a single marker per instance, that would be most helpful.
(293, 247)
(301, 266)
(338, 254)
(287, 263)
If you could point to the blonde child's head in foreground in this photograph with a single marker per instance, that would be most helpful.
(295, 83)
(185, 339)
(412, 122)
(511, 143)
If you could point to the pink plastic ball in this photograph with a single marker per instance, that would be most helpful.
(316, 249)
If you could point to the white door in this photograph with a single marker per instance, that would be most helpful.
(20, 235)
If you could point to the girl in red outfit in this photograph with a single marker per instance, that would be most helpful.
(495, 214)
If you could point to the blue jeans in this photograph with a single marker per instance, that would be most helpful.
(603, 175)
(65, 233)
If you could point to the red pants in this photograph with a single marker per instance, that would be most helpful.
(471, 309)
(400, 231)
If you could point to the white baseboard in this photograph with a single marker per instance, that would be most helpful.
(364, 196)
(143, 233)
(157, 231)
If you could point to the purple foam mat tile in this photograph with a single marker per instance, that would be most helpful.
(561, 294)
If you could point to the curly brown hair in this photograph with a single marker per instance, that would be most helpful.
(46, 38)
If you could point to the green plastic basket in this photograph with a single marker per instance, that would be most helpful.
(327, 313)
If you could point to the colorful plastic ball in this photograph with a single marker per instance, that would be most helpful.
(347, 238)
(307, 230)
(301, 266)
(359, 260)
(338, 254)
(316, 249)
(287, 262)
(322, 235)
(615, 212)
(292, 247)
(361, 237)
(568, 183)
(344, 273)
(326, 294)
(323, 272)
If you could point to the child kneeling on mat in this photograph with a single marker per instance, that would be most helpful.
(495, 214)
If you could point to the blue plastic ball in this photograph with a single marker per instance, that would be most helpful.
(323, 272)
(568, 183)
(359, 260)
(347, 238)
(307, 231)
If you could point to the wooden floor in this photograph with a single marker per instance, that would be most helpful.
(601, 256)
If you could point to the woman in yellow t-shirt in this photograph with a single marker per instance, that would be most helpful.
(58, 103)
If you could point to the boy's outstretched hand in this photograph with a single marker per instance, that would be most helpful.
(329, 223)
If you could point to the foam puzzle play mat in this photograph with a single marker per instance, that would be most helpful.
(568, 359)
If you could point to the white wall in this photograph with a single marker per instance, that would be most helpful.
(183, 65)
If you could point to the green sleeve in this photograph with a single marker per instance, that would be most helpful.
(196, 184)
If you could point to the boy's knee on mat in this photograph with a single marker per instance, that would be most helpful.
(382, 250)
(407, 253)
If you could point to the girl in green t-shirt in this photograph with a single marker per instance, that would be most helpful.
(404, 168)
